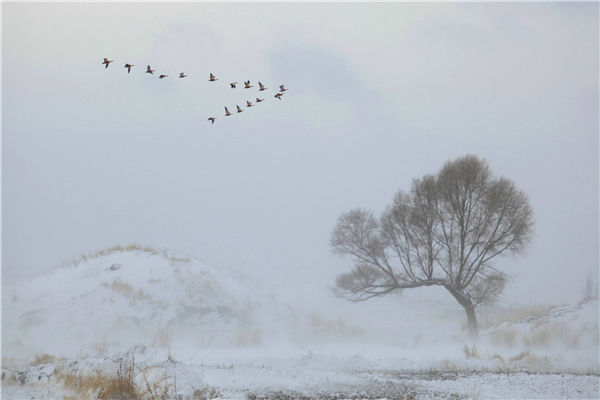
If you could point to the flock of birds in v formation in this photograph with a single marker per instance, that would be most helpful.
(211, 78)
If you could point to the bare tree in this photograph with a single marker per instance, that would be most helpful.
(446, 231)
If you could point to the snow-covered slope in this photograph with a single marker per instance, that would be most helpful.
(125, 297)
(228, 331)
(557, 337)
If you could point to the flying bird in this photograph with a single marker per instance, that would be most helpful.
(282, 88)
(212, 119)
(212, 78)
(262, 87)
(248, 104)
(239, 109)
(232, 84)
(259, 100)
(182, 75)
(278, 95)
(247, 85)
(106, 62)
(128, 66)
(162, 76)
(150, 70)
(227, 113)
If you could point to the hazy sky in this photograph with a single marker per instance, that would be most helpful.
(378, 95)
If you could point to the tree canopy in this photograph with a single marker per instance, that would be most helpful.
(447, 230)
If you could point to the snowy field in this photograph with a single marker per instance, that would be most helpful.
(159, 323)
(313, 375)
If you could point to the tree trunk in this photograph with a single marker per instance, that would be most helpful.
(469, 309)
(472, 323)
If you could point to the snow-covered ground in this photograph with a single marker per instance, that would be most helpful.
(203, 332)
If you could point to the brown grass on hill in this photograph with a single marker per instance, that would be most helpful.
(129, 292)
(130, 247)
(490, 318)
(555, 332)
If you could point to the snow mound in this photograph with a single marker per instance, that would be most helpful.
(121, 298)
(556, 338)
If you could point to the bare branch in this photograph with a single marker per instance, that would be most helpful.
(447, 230)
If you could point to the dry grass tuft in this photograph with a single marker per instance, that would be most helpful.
(495, 317)
(519, 356)
(154, 383)
(101, 385)
(448, 366)
(470, 352)
(207, 393)
(499, 358)
(132, 247)
(159, 386)
(42, 359)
